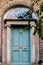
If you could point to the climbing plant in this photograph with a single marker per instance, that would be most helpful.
(38, 27)
(41, 7)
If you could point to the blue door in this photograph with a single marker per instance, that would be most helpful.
(20, 46)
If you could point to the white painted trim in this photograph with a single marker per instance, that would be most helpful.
(33, 46)
(32, 39)
(17, 22)
(3, 47)
(37, 47)
(9, 37)
(8, 44)
(31, 43)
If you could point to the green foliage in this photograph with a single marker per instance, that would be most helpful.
(39, 23)
(42, 35)
(38, 28)
(41, 7)
(32, 6)
(28, 26)
(38, 12)
(35, 1)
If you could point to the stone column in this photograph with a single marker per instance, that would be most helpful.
(4, 45)
(8, 43)
(37, 47)
(32, 42)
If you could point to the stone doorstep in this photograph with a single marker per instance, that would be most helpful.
(31, 64)
(9, 64)
(0, 63)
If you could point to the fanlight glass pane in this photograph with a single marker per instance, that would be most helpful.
(19, 12)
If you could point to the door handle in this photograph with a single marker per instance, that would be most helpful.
(20, 47)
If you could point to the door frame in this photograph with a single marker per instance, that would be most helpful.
(32, 38)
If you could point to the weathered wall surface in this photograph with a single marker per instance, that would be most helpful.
(4, 6)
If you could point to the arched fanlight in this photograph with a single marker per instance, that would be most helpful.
(19, 12)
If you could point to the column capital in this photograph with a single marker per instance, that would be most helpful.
(7, 25)
(32, 24)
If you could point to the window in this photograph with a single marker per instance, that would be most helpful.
(19, 12)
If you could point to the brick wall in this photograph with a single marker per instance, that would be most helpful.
(41, 49)
(0, 41)
(41, 46)
(4, 6)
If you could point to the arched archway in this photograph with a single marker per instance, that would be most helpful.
(20, 12)
(18, 16)
(4, 8)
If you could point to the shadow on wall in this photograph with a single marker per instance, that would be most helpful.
(40, 62)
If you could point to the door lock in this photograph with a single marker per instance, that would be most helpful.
(20, 47)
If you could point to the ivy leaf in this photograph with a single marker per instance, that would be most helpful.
(42, 35)
(41, 7)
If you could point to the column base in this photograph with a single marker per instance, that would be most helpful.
(5, 64)
(10, 64)
(34, 63)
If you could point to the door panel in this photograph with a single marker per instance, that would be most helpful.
(14, 45)
(26, 38)
(15, 37)
(15, 56)
(26, 46)
(20, 46)
(25, 55)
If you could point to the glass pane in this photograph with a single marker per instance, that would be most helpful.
(19, 12)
